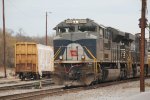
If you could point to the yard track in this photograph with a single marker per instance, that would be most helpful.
(59, 91)
(26, 84)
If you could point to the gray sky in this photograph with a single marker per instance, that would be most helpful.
(30, 14)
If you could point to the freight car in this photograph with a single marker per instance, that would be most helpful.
(87, 52)
(33, 61)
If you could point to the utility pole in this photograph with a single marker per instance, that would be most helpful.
(4, 38)
(149, 30)
(46, 30)
(46, 27)
(142, 49)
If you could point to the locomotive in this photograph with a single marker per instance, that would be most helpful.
(86, 52)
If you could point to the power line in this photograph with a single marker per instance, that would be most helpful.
(21, 12)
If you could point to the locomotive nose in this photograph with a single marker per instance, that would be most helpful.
(74, 74)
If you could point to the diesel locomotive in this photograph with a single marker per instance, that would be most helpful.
(86, 52)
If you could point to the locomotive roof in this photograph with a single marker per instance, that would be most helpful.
(79, 22)
(116, 31)
(124, 35)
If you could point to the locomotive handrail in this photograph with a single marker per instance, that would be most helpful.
(129, 61)
(89, 52)
(95, 60)
(57, 52)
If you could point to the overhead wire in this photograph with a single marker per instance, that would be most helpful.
(19, 11)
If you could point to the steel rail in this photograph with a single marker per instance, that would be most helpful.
(26, 85)
(55, 91)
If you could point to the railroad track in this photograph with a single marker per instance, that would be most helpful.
(9, 82)
(26, 85)
(31, 95)
(55, 91)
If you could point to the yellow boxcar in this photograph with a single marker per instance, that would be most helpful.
(33, 60)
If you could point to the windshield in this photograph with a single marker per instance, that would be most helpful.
(87, 28)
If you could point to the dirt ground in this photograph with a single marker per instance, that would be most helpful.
(9, 71)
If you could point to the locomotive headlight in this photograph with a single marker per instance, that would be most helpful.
(60, 57)
(83, 57)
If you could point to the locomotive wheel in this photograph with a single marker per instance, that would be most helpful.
(125, 74)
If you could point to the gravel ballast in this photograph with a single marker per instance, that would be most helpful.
(123, 91)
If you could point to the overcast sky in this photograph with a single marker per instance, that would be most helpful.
(29, 15)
